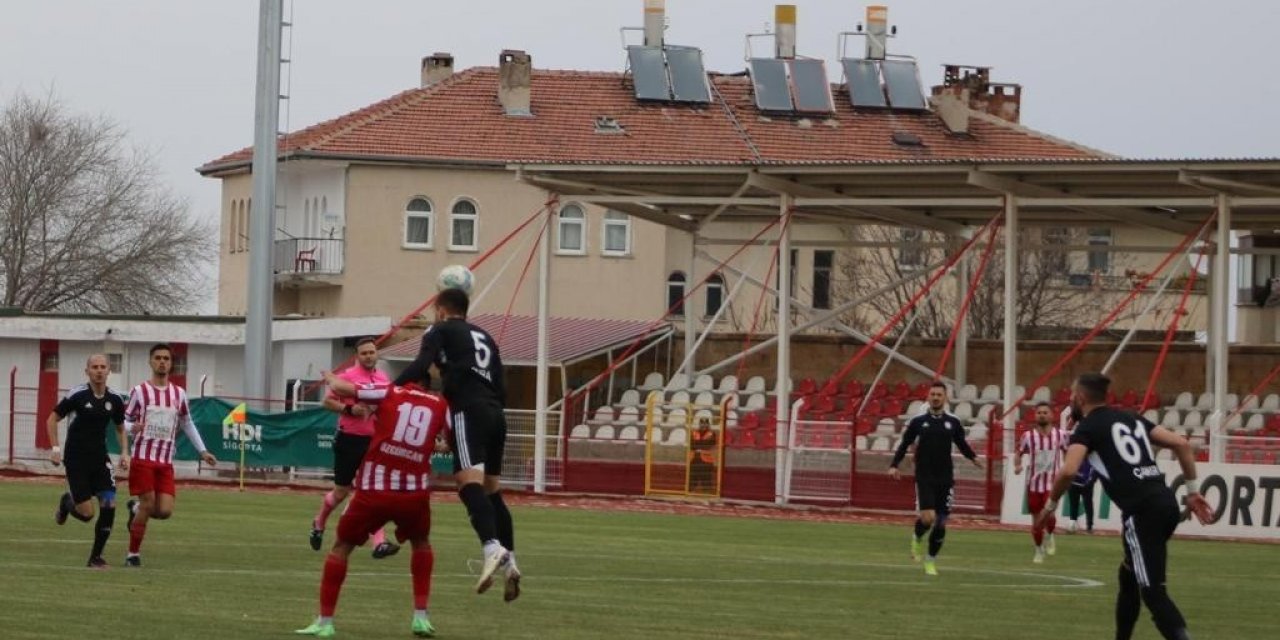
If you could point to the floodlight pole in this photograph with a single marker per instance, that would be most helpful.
(1010, 317)
(259, 306)
(782, 412)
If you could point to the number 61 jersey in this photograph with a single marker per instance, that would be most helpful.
(1120, 450)
(399, 456)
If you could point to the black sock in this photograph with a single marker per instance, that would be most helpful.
(65, 505)
(1128, 604)
(1167, 617)
(68, 505)
(106, 518)
(480, 509)
(502, 518)
(935, 538)
(921, 528)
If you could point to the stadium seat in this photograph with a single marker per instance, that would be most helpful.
(1042, 394)
(751, 420)
(731, 419)
(1232, 400)
(860, 443)
(855, 389)
(978, 431)
(705, 399)
(581, 431)
(882, 443)
(1185, 401)
(1235, 422)
(901, 390)
(1205, 403)
(704, 382)
(1129, 398)
(630, 398)
(728, 384)
(1250, 403)
(967, 393)
(990, 393)
(917, 407)
(807, 387)
(602, 415)
(892, 407)
(629, 433)
(755, 402)
(628, 415)
(1271, 403)
(676, 437)
(886, 427)
(1152, 415)
(1172, 419)
(656, 415)
(1063, 396)
(679, 382)
(921, 391)
(677, 417)
(1192, 419)
(984, 412)
(1256, 422)
(755, 384)
(679, 398)
(652, 381)
(604, 433)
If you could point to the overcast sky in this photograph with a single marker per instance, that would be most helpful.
(1141, 78)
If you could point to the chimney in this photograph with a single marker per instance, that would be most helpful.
(515, 71)
(436, 67)
(877, 31)
(655, 22)
(784, 17)
(969, 89)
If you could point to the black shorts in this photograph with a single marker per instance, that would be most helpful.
(88, 478)
(1146, 536)
(479, 438)
(935, 496)
(348, 453)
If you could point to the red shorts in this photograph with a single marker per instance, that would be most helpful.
(369, 511)
(146, 476)
(1036, 501)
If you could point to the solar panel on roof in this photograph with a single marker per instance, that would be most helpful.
(902, 83)
(863, 78)
(649, 73)
(688, 76)
(811, 89)
(769, 77)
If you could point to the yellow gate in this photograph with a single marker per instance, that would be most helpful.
(683, 447)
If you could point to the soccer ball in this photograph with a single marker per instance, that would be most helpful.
(456, 276)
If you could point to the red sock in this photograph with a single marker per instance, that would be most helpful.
(335, 572)
(420, 566)
(326, 507)
(1052, 524)
(1037, 534)
(136, 533)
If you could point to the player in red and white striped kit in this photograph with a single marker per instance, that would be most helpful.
(393, 484)
(156, 410)
(1045, 444)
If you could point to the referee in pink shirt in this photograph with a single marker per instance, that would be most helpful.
(355, 429)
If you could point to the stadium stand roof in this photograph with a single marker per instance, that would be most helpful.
(569, 339)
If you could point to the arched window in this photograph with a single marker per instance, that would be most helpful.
(233, 227)
(617, 234)
(463, 222)
(571, 230)
(418, 219)
(675, 293)
(715, 294)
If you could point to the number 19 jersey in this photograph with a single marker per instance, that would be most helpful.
(399, 455)
(1120, 450)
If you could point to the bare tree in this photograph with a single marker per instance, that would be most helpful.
(85, 226)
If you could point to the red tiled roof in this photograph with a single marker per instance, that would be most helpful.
(460, 120)
(568, 338)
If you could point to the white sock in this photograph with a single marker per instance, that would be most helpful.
(419, 614)
(491, 547)
(324, 619)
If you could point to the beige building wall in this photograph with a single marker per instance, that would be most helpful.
(233, 246)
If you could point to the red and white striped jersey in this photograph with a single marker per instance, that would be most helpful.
(161, 411)
(1046, 457)
(408, 423)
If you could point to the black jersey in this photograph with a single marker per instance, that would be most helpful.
(89, 416)
(936, 434)
(468, 360)
(1120, 451)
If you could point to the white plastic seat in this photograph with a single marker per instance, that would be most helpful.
(1271, 403)
(885, 428)
(629, 433)
(675, 418)
(1256, 422)
(978, 431)
(990, 393)
(581, 431)
(755, 402)
(630, 398)
(679, 382)
(916, 407)
(1018, 392)
(728, 384)
(731, 419)
(652, 381)
(704, 382)
(1042, 394)
(1192, 419)
(1233, 400)
(679, 397)
(705, 399)
(1205, 403)
(963, 410)
(1235, 422)
(602, 415)
(655, 435)
(984, 412)
(881, 443)
(676, 437)
(1152, 415)
(1184, 401)
(628, 415)
(968, 393)
(604, 433)
(1250, 403)
(755, 384)
(860, 443)
(656, 415)
(1172, 419)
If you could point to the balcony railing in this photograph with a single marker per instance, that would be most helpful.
(307, 256)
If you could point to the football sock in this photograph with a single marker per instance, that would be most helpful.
(80, 516)
(480, 509)
(936, 536)
(136, 533)
(379, 537)
(335, 572)
(502, 518)
(106, 518)
(1037, 534)
(1128, 603)
(326, 507)
(921, 528)
(1052, 524)
(420, 566)
(1168, 618)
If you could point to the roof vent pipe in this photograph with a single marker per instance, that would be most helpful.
(877, 31)
(655, 21)
(784, 16)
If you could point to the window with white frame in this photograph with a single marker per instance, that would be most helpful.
(617, 234)
(715, 294)
(463, 220)
(675, 293)
(571, 230)
(418, 219)
(1100, 261)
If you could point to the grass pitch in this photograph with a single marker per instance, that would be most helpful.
(236, 565)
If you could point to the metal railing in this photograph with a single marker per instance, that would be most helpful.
(304, 256)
